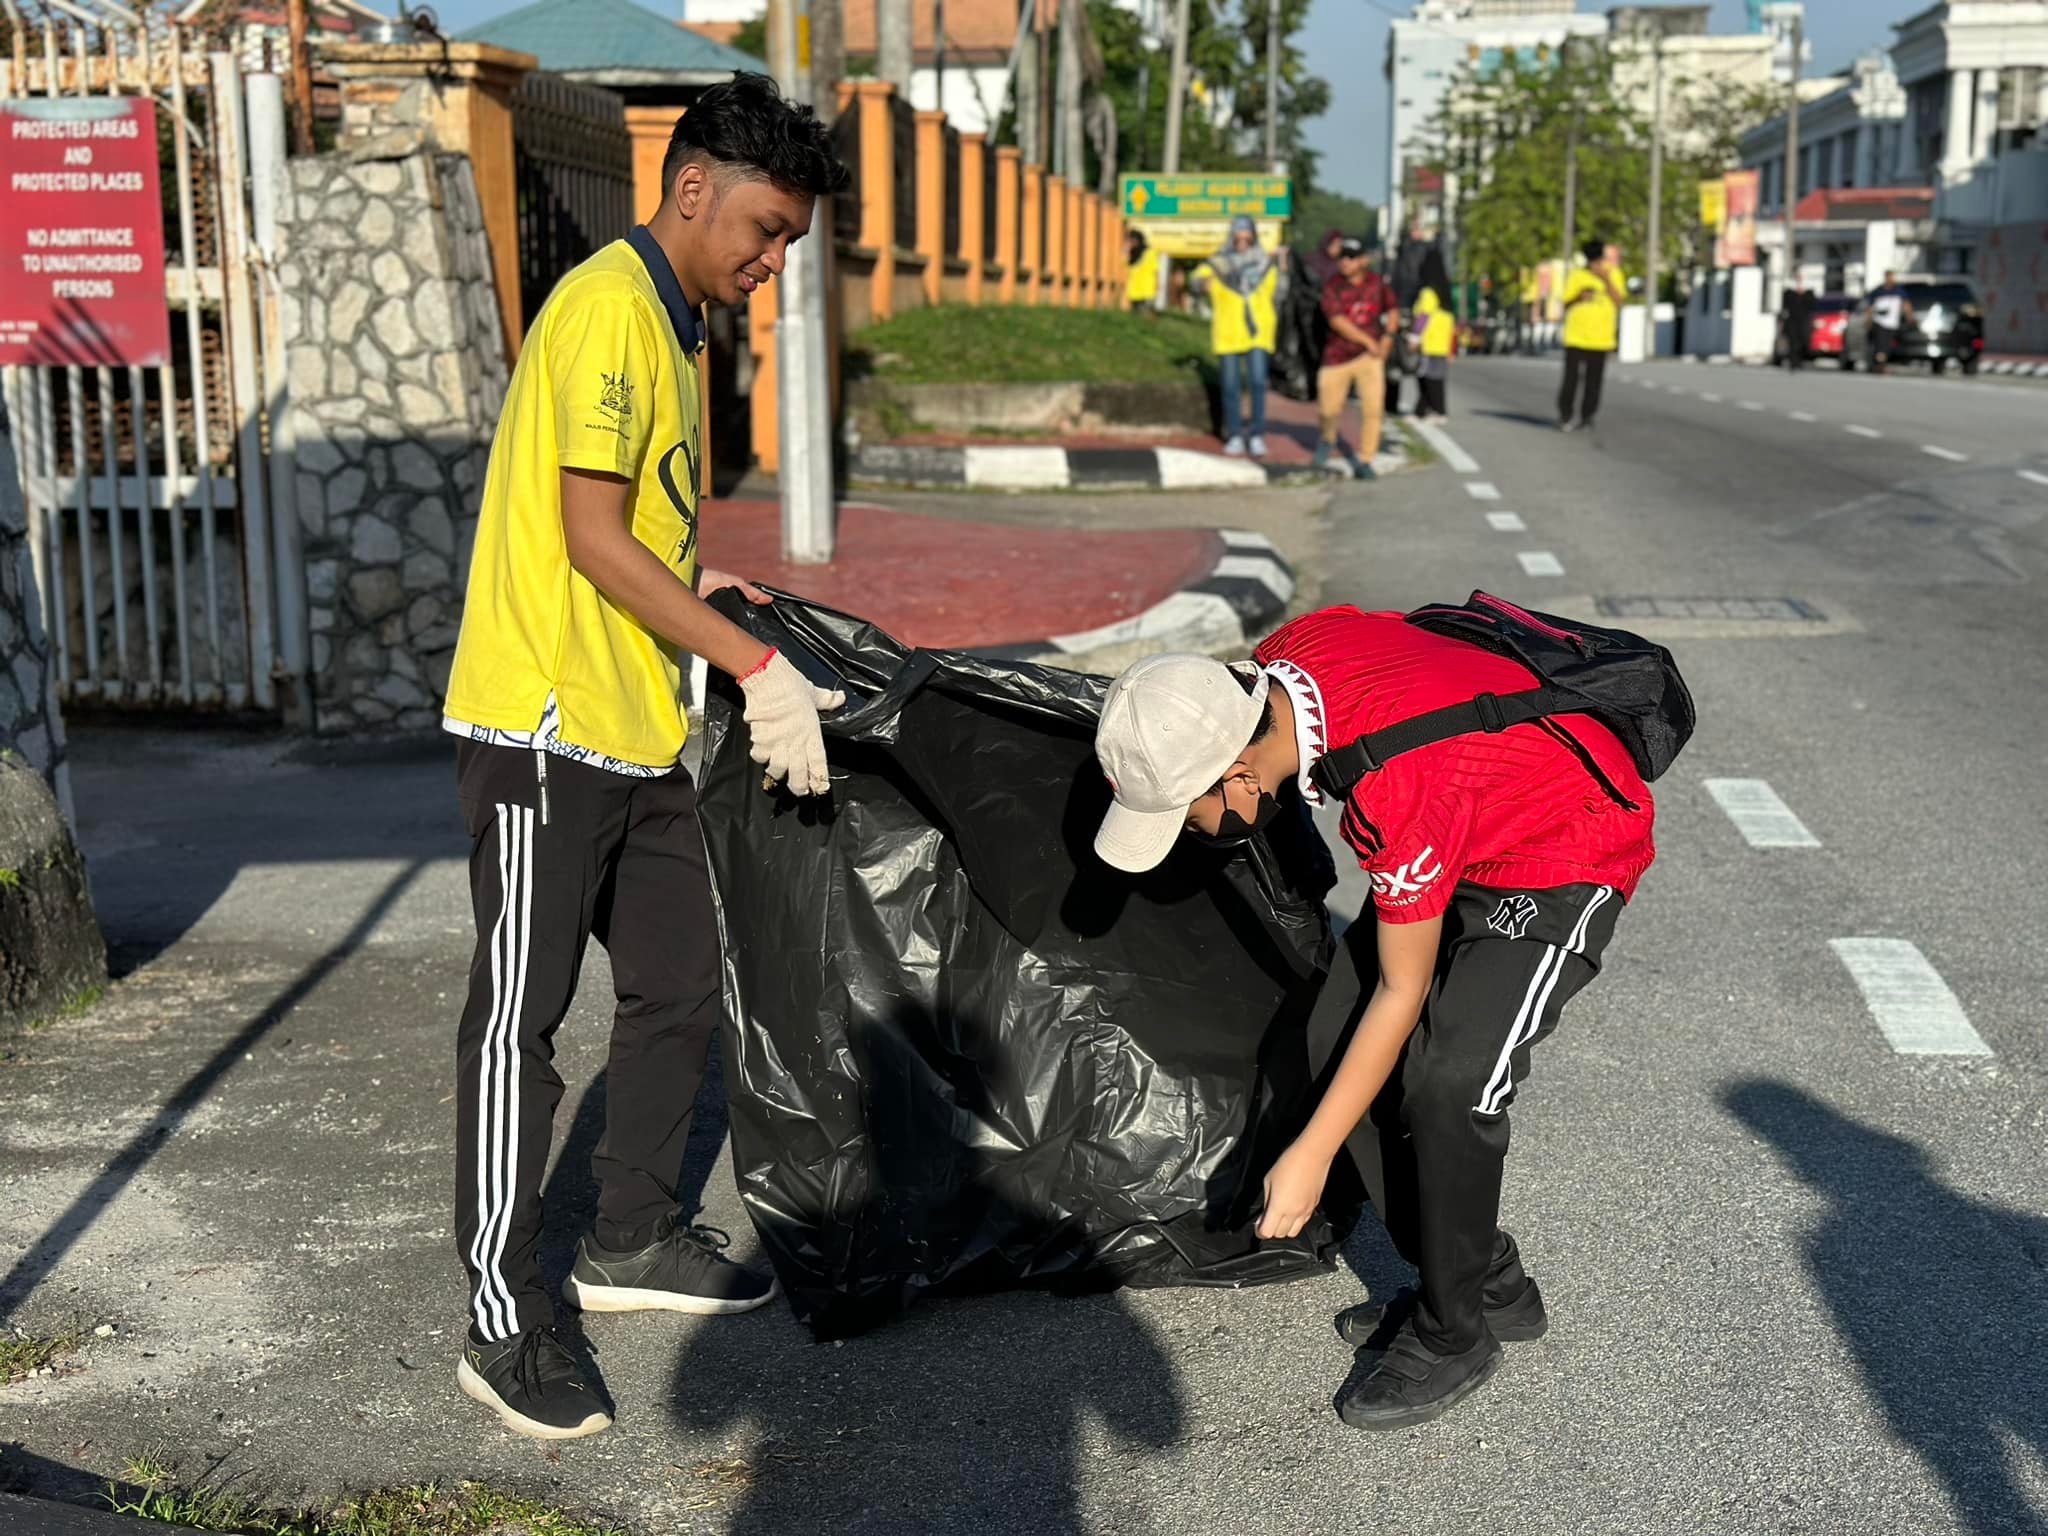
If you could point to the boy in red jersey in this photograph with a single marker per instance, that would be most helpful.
(1499, 863)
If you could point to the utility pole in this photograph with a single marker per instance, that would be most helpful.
(302, 79)
(828, 57)
(939, 54)
(803, 405)
(1272, 85)
(1571, 187)
(1177, 87)
(893, 61)
(1068, 157)
(1025, 68)
(1792, 172)
(1650, 262)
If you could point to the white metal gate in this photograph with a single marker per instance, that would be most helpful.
(151, 519)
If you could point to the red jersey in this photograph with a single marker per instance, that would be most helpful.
(1518, 809)
(1362, 304)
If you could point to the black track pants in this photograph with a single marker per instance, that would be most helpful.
(553, 861)
(1432, 1149)
(1589, 367)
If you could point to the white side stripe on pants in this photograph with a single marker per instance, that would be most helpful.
(497, 1149)
(1534, 1001)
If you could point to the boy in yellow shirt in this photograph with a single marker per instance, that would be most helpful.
(1593, 297)
(566, 691)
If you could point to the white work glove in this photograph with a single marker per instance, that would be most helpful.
(782, 712)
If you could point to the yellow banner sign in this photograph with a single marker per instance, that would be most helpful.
(1192, 238)
(1713, 203)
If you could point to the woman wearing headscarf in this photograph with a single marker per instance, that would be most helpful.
(1141, 280)
(1239, 282)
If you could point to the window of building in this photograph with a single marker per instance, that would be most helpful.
(1850, 144)
(1805, 170)
(2019, 105)
(1827, 163)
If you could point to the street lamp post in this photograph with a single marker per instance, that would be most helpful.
(1650, 261)
(1792, 172)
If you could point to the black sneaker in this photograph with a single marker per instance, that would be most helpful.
(1412, 1383)
(682, 1270)
(1372, 1325)
(533, 1383)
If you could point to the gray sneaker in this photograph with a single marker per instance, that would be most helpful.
(533, 1384)
(683, 1270)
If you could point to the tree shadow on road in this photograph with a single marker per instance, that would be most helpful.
(969, 1415)
(1941, 1297)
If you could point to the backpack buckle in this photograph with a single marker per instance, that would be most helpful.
(1487, 707)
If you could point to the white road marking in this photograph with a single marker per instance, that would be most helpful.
(1539, 562)
(1764, 820)
(2034, 475)
(1482, 490)
(1506, 522)
(1912, 1005)
(1945, 453)
(1804, 416)
(1017, 466)
(1751, 405)
(1711, 399)
(1863, 431)
(1460, 461)
(1265, 572)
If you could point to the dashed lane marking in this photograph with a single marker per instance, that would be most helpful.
(1506, 522)
(1804, 416)
(1540, 562)
(1940, 452)
(1751, 405)
(1912, 1005)
(1763, 819)
(1863, 431)
(2034, 475)
(1459, 460)
(1482, 490)
(1711, 399)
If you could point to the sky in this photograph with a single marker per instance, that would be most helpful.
(1346, 43)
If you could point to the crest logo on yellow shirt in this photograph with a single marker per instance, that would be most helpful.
(618, 395)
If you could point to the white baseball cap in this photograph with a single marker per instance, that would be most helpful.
(1171, 726)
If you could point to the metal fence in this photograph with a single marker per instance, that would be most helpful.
(149, 518)
(846, 144)
(903, 126)
(952, 231)
(574, 167)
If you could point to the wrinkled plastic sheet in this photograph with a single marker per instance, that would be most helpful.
(963, 1054)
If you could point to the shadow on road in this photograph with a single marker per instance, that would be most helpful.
(1939, 1295)
(1526, 418)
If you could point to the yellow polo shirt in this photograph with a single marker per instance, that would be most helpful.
(1595, 325)
(603, 383)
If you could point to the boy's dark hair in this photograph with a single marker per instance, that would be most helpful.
(1592, 250)
(749, 127)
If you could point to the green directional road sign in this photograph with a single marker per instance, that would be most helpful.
(1207, 197)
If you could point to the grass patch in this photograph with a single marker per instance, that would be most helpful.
(1026, 344)
(468, 1509)
(9, 878)
(22, 1353)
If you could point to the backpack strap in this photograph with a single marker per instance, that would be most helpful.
(1340, 769)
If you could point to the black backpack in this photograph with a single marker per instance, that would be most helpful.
(1622, 680)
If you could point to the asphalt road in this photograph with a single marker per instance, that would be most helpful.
(1798, 1277)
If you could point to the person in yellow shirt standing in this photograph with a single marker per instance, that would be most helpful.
(1593, 297)
(1239, 281)
(1141, 278)
(584, 599)
(1435, 333)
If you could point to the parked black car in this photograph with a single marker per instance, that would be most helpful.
(1947, 329)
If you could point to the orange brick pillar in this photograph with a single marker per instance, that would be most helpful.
(1056, 208)
(1008, 193)
(1091, 248)
(1031, 258)
(974, 210)
(931, 202)
(763, 305)
(1077, 216)
(878, 190)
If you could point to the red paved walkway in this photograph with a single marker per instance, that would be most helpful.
(946, 582)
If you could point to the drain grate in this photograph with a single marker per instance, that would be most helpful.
(1768, 610)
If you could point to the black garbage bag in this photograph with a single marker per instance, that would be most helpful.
(961, 1052)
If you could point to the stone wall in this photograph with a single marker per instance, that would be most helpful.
(30, 726)
(397, 374)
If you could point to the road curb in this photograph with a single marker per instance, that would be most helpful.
(1018, 467)
(1245, 588)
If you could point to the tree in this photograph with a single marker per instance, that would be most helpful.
(1504, 134)
(1224, 127)
(1319, 210)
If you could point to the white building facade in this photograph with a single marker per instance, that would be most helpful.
(1428, 50)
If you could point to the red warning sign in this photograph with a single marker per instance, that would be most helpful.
(81, 232)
